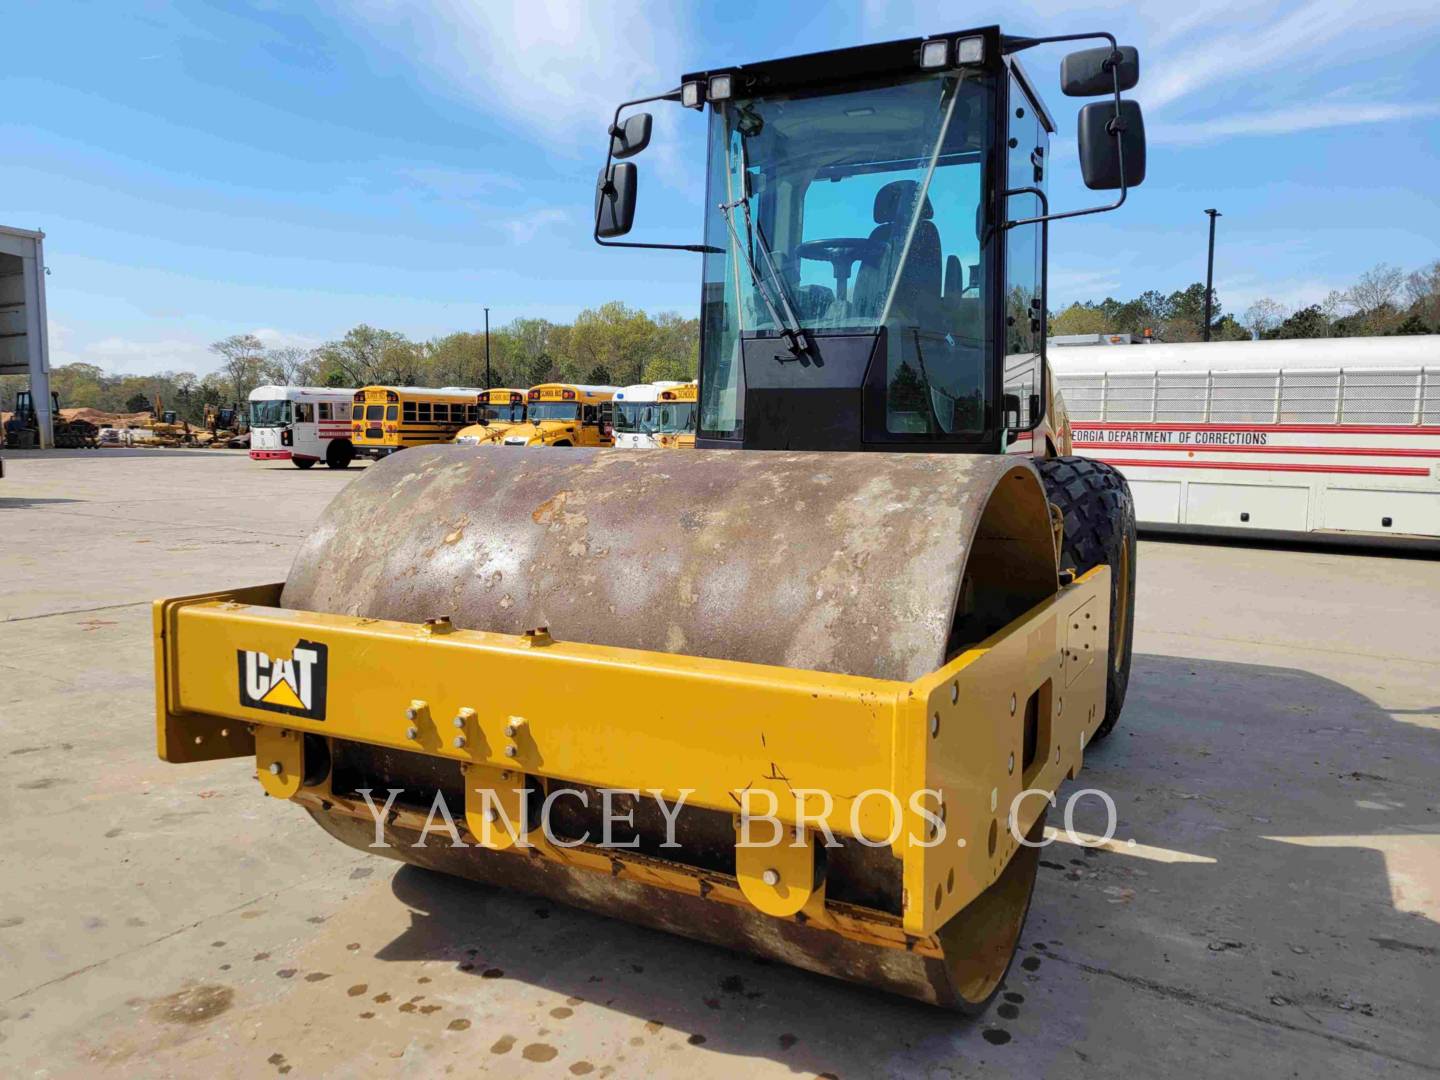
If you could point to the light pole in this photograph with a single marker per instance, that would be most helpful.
(487, 348)
(1210, 273)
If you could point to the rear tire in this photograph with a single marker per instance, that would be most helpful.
(1099, 516)
(339, 454)
(303, 463)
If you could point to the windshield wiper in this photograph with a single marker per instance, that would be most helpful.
(790, 326)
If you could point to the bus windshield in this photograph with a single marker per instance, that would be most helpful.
(505, 414)
(554, 410)
(635, 417)
(269, 414)
(676, 416)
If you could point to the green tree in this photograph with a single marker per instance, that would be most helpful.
(242, 362)
(1084, 318)
(615, 337)
(366, 356)
(1307, 322)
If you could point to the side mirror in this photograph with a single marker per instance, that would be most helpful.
(1089, 72)
(1099, 161)
(629, 138)
(615, 200)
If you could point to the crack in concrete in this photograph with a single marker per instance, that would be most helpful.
(75, 611)
(1194, 997)
(167, 936)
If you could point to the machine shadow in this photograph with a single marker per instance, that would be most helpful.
(1186, 773)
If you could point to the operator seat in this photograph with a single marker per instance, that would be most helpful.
(917, 297)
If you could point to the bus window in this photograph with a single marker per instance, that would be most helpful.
(304, 412)
(324, 410)
(357, 412)
(588, 414)
(471, 413)
(409, 412)
(422, 411)
(392, 412)
(374, 412)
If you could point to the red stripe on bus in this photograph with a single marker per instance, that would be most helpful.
(1199, 448)
(1258, 466)
(1341, 429)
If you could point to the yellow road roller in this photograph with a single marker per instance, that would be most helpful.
(807, 690)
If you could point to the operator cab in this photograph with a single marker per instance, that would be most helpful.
(874, 250)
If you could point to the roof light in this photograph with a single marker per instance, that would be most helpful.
(719, 87)
(568, 395)
(935, 54)
(692, 95)
(970, 50)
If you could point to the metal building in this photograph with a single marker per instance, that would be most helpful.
(24, 340)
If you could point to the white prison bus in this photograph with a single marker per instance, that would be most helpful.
(301, 424)
(636, 415)
(1326, 438)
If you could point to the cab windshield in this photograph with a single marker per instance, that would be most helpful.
(635, 417)
(554, 410)
(848, 212)
(269, 414)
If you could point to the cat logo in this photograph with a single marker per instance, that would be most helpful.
(294, 685)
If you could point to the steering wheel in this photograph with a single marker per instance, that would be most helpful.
(842, 253)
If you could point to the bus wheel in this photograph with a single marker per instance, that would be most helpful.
(303, 462)
(1099, 514)
(340, 454)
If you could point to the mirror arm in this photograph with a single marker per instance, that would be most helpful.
(669, 95)
(1115, 126)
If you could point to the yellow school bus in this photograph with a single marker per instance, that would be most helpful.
(565, 414)
(501, 408)
(675, 420)
(384, 419)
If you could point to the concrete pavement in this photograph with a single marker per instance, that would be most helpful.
(1279, 913)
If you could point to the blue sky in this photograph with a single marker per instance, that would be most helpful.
(292, 169)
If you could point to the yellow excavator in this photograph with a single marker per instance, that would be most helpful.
(809, 689)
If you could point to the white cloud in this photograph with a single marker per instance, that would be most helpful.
(1321, 114)
(1238, 293)
(523, 227)
(128, 356)
(277, 339)
(117, 355)
(460, 185)
(561, 66)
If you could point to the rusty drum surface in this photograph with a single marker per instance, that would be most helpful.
(836, 562)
